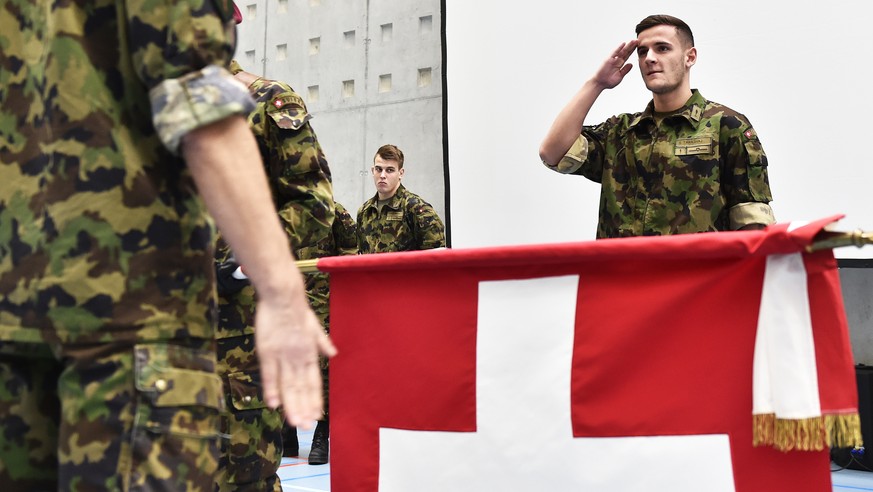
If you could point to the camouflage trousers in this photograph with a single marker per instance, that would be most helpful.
(110, 416)
(318, 294)
(252, 449)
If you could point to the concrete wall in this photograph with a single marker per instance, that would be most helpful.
(323, 47)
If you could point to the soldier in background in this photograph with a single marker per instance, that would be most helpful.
(395, 219)
(111, 152)
(683, 165)
(300, 184)
(343, 241)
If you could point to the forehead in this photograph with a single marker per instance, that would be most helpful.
(662, 34)
(379, 161)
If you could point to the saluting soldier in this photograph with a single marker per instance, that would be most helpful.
(683, 165)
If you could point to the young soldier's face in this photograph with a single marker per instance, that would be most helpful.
(663, 58)
(386, 176)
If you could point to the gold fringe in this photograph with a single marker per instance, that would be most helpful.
(812, 434)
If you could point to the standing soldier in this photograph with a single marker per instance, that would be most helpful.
(300, 182)
(343, 241)
(395, 219)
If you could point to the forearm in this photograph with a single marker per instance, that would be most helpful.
(220, 158)
(568, 124)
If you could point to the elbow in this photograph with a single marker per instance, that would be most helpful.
(546, 156)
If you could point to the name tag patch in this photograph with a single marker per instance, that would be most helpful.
(394, 216)
(694, 146)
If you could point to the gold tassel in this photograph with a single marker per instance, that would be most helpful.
(763, 429)
(811, 434)
(844, 430)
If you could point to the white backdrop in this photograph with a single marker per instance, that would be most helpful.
(798, 71)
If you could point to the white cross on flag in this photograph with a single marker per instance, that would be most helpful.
(613, 365)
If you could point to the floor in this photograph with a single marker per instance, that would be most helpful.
(298, 475)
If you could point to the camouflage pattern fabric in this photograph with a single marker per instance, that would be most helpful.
(702, 168)
(344, 232)
(299, 179)
(252, 452)
(343, 241)
(405, 223)
(116, 416)
(105, 247)
(300, 182)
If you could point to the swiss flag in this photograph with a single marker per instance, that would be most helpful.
(613, 365)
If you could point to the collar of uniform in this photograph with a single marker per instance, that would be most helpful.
(393, 202)
(691, 111)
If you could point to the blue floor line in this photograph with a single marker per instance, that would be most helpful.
(291, 479)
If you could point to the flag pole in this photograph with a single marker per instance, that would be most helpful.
(308, 266)
(832, 239)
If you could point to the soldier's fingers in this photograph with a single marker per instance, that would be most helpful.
(326, 346)
(269, 379)
(629, 48)
(300, 398)
(624, 50)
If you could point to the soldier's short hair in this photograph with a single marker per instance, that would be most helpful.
(390, 152)
(667, 20)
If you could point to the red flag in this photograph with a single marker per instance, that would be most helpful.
(440, 349)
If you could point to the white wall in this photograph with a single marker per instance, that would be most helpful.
(798, 71)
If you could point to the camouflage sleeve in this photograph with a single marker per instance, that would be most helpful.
(195, 100)
(344, 231)
(746, 183)
(298, 171)
(359, 220)
(743, 214)
(589, 153)
(429, 229)
(573, 159)
(177, 49)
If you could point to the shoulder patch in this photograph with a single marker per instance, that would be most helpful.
(288, 111)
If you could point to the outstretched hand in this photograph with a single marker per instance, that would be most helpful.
(616, 67)
(288, 340)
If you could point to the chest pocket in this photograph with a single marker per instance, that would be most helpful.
(703, 145)
(696, 159)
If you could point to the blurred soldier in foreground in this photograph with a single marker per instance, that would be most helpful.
(119, 128)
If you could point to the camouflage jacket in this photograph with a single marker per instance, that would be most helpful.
(300, 182)
(405, 223)
(344, 232)
(102, 234)
(701, 169)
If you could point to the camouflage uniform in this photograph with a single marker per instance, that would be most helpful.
(701, 169)
(405, 223)
(107, 355)
(300, 181)
(344, 232)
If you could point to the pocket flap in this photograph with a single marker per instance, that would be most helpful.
(172, 375)
(245, 391)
